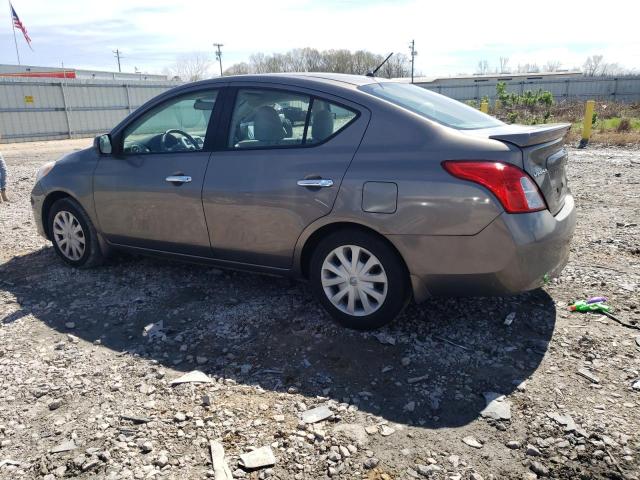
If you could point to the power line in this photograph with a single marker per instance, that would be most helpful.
(117, 53)
(219, 55)
(412, 49)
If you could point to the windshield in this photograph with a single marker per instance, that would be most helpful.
(431, 105)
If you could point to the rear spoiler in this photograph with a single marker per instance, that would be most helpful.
(534, 135)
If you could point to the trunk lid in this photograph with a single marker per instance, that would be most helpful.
(544, 156)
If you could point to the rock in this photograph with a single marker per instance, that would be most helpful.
(533, 451)
(386, 430)
(427, 470)
(162, 460)
(510, 318)
(410, 406)
(353, 432)
(472, 442)
(179, 417)
(64, 447)
(259, 458)
(146, 447)
(583, 372)
(221, 470)
(370, 463)
(539, 469)
(385, 338)
(565, 420)
(475, 476)
(497, 407)
(316, 414)
(70, 325)
(56, 404)
(371, 429)
(196, 376)
(201, 360)
(513, 444)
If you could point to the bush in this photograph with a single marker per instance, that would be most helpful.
(624, 125)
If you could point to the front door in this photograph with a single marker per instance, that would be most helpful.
(285, 157)
(148, 195)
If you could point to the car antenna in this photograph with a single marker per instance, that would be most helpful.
(372, 73)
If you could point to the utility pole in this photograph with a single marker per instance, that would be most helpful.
(412, 49)
(219, 55)
(117, 53)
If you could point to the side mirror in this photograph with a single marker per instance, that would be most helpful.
(103, 144)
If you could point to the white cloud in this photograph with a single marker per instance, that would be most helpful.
(450, 36)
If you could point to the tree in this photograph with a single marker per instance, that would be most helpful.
(592, 65)
(191, 67)
(528, 68)
(552, 66)
(312, 60)
(483, 67)
(504, 65)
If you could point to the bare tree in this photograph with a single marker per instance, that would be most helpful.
(241, 68)
(483, 67)
(592, 65)
(504, 65)
(528, 68)
(191, 66)
(552, 66)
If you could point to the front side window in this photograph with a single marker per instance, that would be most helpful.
(179, 125)
(274, 118)
(431, 105)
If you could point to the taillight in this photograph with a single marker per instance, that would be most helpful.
(513, 187)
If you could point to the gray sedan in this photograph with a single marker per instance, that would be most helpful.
(374, 191)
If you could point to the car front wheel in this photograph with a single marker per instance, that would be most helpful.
(73, 235)
(359, 279)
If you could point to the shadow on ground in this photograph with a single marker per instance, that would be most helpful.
(269, 331)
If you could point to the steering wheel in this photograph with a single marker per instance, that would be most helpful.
(190, 145)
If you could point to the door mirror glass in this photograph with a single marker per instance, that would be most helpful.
(104, 144)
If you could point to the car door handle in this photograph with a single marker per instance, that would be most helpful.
(316, 182)
(178, 179)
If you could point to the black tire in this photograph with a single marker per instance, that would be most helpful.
(398, 291)
(92, 255)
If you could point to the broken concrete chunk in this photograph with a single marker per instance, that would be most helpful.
(583, 372)
(221, 470)
(497, 406)
(195, 376)
(316, 414)
(64, 447)
(154, 330)
(259, 458)
(510, 318)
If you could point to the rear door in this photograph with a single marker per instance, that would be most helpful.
(282, 160)
(148, 194)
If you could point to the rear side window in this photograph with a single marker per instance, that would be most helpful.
(277, 119)
(431, 105)
(327, 119)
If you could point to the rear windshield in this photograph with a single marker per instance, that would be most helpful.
(431, 105)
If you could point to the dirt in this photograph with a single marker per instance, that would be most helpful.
(76, 364)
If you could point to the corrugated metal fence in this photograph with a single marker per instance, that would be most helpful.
(621, 89)
(46, 109)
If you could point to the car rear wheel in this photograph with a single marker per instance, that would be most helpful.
(73, 235)
(359, 279)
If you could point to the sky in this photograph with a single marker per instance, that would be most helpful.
(451, 36)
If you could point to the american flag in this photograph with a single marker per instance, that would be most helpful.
(18, 24)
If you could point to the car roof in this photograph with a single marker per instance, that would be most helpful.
(300, 79)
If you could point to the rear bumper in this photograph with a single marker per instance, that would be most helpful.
(513, 254)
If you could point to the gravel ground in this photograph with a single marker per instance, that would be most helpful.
(87, 359)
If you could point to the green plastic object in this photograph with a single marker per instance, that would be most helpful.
(583, 306)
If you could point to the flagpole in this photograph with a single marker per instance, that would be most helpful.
(15, 41)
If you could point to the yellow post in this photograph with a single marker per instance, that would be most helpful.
(588, 121)
(484, 107)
